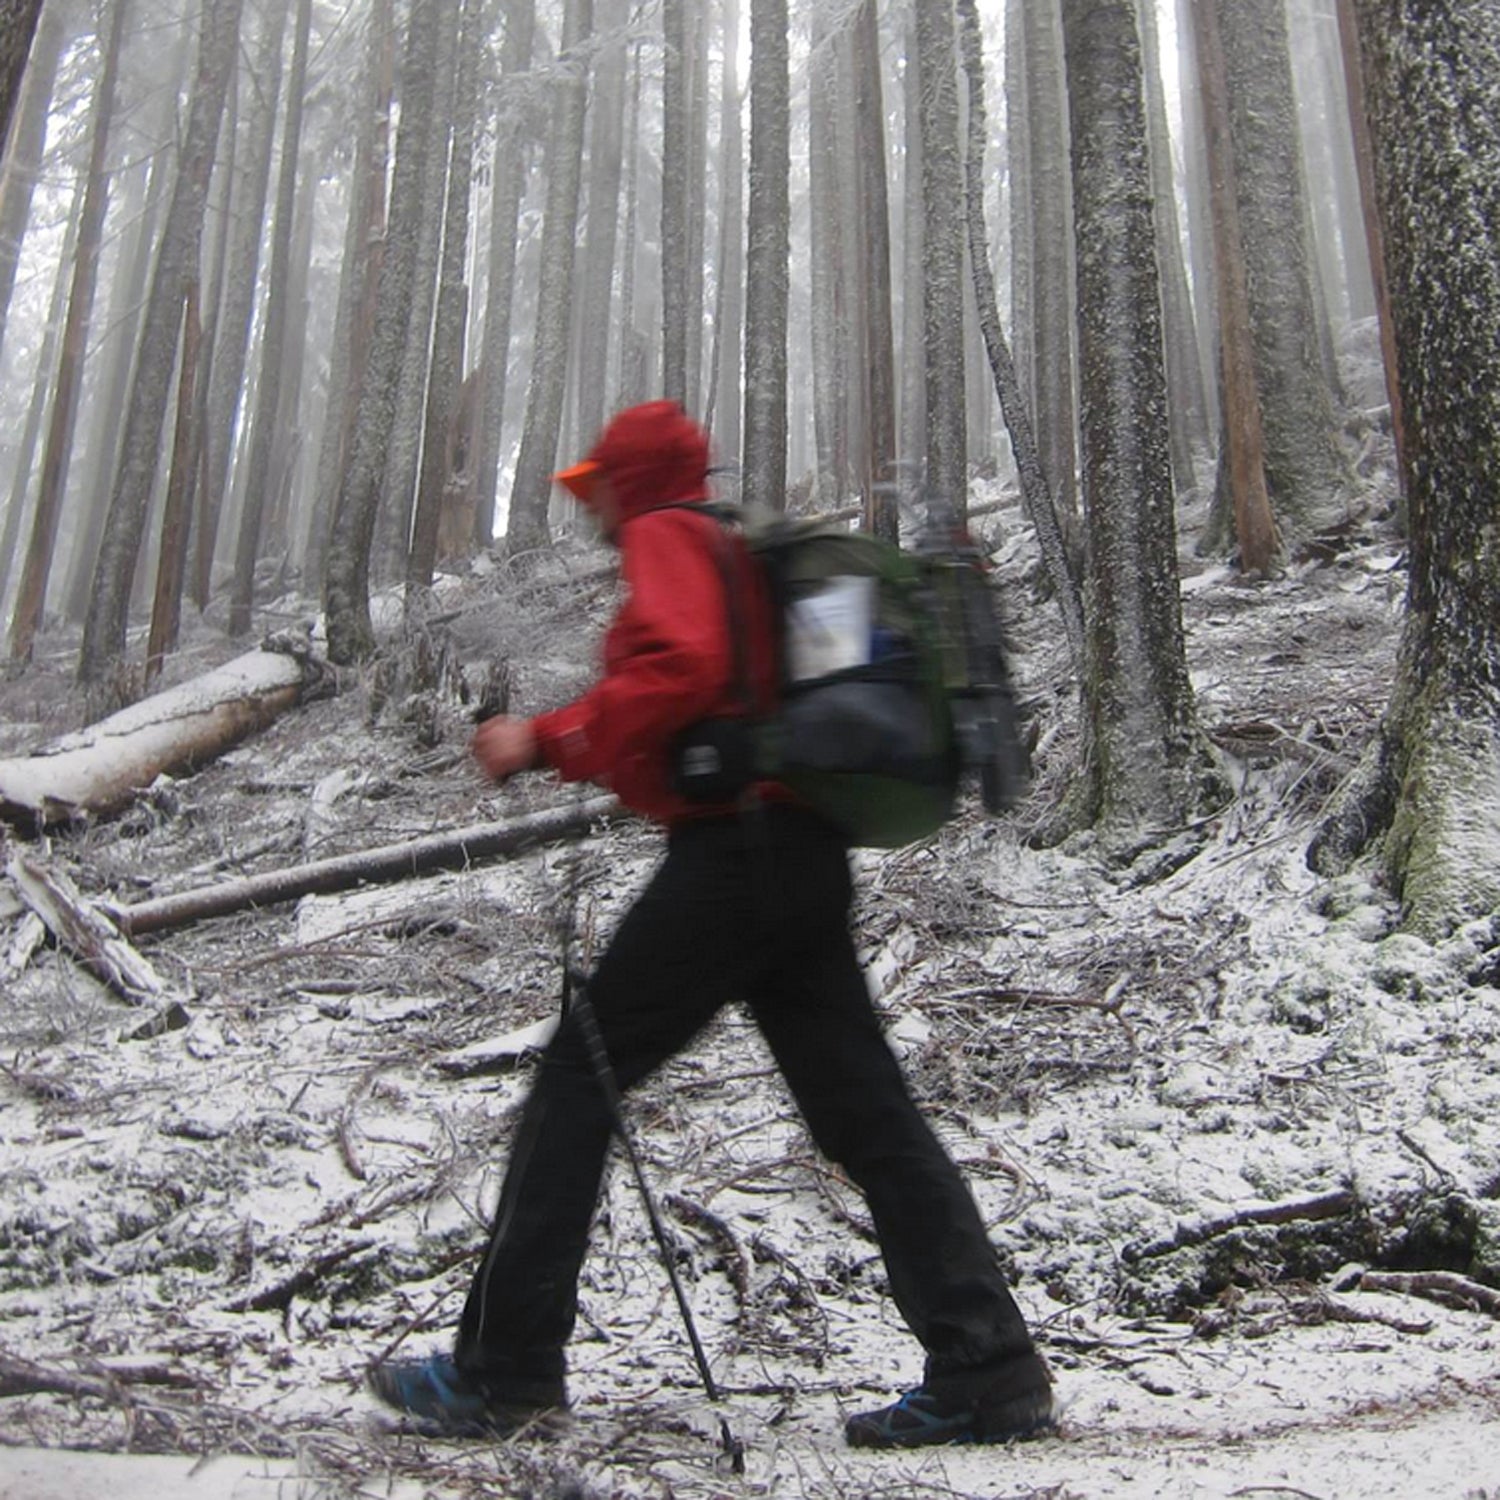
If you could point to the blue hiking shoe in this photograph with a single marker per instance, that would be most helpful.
(440, 1400)
(998, 1403)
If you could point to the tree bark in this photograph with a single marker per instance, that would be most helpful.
(1052, 294)
(1242, 458)
(1147, 767)
(1305, 470)
(1430, 75)
(404, 451)
(606, 136)
(18, 23)
(528, 529)
(445, 379)
(166, 607)
(674, 200)
(358, 277)
(943, 262)
(877, 468)
(766, 258)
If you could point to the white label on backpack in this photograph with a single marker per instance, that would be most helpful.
(829, 631)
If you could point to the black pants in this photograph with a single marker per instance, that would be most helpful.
(753, 910)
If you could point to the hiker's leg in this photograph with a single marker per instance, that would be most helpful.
(660, 980)
(817, 1017)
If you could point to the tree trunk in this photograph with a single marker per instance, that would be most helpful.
(1364, 157)
(1052, 264)
(943, 262)
(674, 200)
(166, 605)
(877, 468)
(1305, 470)
(446, 377)
(43, 384)
(1035, 494)
(235, 316)
(509, 179)
(23, 148)
(766, 258)
(724, 409)
(528, 529)
(1242, 453)
(273, 337)
(1019, 156)
(18, 23)
(404, 452)
(103, 650)
(606, 135)
(346, 567)
(830, 324)
(1186, 406)
(358, 276)
(913, 414)
(1430, 86)
(1147, 768)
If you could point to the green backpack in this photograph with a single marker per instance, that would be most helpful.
(893, 683)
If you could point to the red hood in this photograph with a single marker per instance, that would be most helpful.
(653, 454)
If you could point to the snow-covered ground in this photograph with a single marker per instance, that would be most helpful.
(1198, 1099)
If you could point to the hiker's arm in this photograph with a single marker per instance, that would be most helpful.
(667, 664)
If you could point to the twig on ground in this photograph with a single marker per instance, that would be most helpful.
(1447, 1287)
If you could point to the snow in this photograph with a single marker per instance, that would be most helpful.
(1122, 1059)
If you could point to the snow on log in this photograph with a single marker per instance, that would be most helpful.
(100, 769)
(423, 856)
(85, 931)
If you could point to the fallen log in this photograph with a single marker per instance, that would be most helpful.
(424, 856)
(101, 768)
(86, 931)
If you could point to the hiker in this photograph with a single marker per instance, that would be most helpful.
(751, 903)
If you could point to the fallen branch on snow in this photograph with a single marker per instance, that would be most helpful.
(1198, 1232)
(423, 856)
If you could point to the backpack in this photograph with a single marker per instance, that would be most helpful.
(892, 683)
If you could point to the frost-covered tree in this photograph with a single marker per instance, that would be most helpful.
(1431, 782)
(1147, 767)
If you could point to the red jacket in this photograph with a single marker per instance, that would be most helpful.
(668, 655)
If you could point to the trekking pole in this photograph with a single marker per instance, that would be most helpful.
(575, 1000)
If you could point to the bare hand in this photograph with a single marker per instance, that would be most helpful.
(504, 745)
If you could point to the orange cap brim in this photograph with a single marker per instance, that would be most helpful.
(581, 479)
